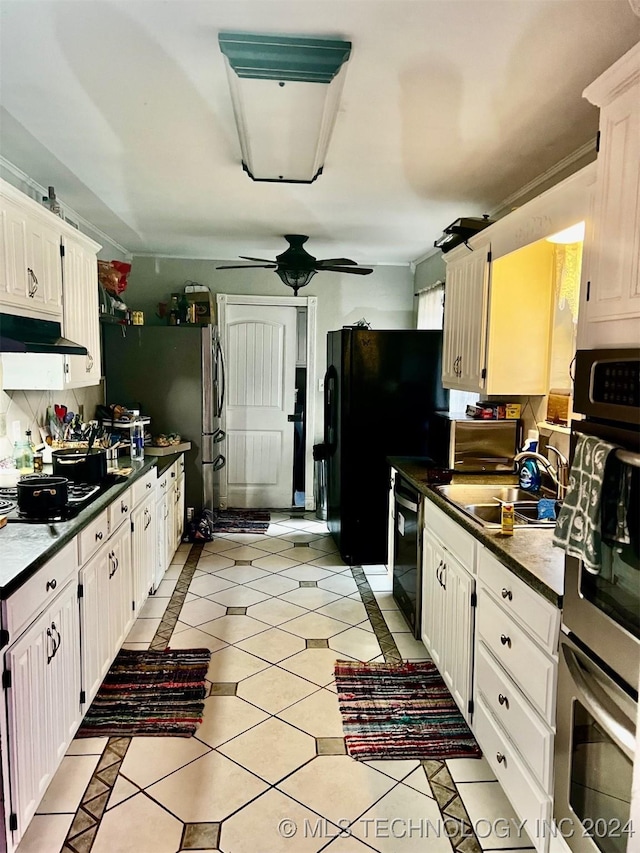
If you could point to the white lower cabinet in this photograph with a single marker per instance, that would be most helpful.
(515, 689)
(448, 598)
(494, 638)
(43, 703)
(66, 624)
(178, 512)
(143, 549)
(106, 608)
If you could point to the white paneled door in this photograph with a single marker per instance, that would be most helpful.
(261, 360)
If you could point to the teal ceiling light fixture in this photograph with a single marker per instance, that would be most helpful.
(285, 92)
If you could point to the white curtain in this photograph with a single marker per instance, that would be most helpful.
(430, 307)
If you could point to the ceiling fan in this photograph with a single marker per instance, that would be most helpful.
(296, 267)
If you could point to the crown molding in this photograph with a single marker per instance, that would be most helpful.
(577, 159)
(88, 227)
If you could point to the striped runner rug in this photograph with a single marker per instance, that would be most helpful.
(394, 711)
(150, 693)
(241, 521)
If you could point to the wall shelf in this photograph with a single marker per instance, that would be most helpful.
(549, 427)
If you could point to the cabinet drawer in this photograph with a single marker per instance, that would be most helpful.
(21, 608)
(532, 670)
(538, 616)
(119, 509)
(460, 543)
(532, 737)
(144, 486)
(92, 537)
(174, 471)
(529, 801)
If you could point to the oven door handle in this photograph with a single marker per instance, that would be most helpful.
(604, 711)
(406, 504)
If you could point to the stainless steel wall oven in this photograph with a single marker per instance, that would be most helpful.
(599, 666)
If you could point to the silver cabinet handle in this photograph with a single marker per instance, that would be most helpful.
(503, 700)
(52, 584)
(33, 283)
(99, 535)
(148, 485)
(501, 758)
(147, 516)
(123, 507)
(89, 366)
(506, 641)
(507, 594)
(51, 656)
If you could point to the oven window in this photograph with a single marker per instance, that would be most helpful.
(616, 589)
(600, 791)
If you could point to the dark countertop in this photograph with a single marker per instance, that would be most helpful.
(24, 547)
(530, 554)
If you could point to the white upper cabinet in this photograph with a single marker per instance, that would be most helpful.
(499, 295)
(30, 262)
(611, 282)
(81, 309)
(465, 322)
(48, 270)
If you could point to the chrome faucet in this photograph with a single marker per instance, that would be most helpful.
(559, 475)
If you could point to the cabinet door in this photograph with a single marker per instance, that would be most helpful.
(615, 257)
(30, 757)
(43, 702)
(453, 310)
(143, 550)
(465, 322)
(161, 550)
(458, 629)
(14, 282)
(45, 265)
(121, 602)
(64, 670)
(169, 538)
(94, 621)
(81, 312)
(178, 518)
(433, 625)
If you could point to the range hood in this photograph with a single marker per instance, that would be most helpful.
(26, 334)
(460, 231)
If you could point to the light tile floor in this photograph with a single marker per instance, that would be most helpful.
(267, 771)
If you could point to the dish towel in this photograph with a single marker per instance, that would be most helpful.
(578, 528)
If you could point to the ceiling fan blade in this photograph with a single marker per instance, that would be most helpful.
(248, 267)
(262, 260)
(334, 262)
(351, 270)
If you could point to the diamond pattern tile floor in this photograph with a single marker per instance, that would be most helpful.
(277, 610)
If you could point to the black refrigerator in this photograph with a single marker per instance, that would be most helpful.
(380, 390)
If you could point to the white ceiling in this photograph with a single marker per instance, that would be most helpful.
(449, 106)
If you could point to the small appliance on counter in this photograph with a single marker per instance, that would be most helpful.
(466, 444)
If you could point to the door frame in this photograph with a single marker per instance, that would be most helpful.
(310, 303)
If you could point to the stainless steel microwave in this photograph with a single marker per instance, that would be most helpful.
(466, 444)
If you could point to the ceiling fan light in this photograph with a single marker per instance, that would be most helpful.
(295, 278)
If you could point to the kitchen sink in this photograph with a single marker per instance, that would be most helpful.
(483, 504)
(462, 494)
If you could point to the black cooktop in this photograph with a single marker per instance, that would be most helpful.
(80, 495)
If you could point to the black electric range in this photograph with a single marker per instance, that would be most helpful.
(80, 495)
